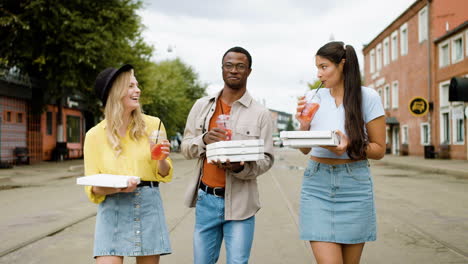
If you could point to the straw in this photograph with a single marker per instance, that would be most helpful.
(320, 86)
(159, 131)
(316, 92)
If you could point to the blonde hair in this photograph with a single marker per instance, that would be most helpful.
(114, 112)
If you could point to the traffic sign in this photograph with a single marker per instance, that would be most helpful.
(418, 106)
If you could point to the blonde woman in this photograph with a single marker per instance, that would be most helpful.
(130, 221)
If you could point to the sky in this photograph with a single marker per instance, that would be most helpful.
(281, 35)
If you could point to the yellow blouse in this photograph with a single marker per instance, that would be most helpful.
(135, 158)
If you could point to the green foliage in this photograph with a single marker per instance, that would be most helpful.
(171, 90)
(314, 85)
(290, 126)
(64, 44)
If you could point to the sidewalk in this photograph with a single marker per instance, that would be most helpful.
(38, 173)
(457, 168)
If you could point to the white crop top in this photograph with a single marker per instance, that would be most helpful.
(331, 117)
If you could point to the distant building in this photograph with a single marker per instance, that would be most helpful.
(34, 134)
(280, 120)
(416, 56)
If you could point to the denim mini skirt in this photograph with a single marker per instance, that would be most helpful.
(132, 224)
(337, 203)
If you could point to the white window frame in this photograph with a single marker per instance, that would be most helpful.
(442, 127)
(441, 62)
(428, 134)
(379, 91)
(394, 45)
(454, 59)
(378, 57)
(443, 100)
(372, 61)
(423, 24)
(466, 43)
(456, 126)
(445, 108)
(386, 96)
(386, 51)
(395, 93)
(404, 134)
(404, 34)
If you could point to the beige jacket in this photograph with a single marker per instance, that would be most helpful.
(250, 120)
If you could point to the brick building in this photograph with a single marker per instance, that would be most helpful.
(34, 136)
(416, 56)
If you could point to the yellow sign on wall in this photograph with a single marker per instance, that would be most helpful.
(418, 106)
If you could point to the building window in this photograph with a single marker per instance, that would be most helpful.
(8, 117)
(394, 45)
(404, 39)
(459, 124)
(395, 95)
(404, 134)
(444, 95)
(387, 97)
(19, 118)
(444, 58)
(49, 123)
(372, 61)
(73, 129)
(457, 49)
(445, 127)
(379, 91)
(425, 134)
(386, 51)
(422, 26)
(378, 57)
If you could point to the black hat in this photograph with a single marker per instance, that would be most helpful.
(105, 79)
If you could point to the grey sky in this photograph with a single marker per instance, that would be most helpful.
(282, 37)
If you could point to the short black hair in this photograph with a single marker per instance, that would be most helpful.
(239, 50)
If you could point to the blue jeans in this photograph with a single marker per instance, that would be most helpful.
(211, 228)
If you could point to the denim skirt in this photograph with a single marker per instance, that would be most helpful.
(337, 203)
(132, 224)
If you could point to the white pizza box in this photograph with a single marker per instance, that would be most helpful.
(235, 151)
(236, 158)
(106, 180)
(306, 134)
(235, 144)
(307, 139)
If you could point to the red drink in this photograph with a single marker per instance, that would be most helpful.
(309, 111)
(156, 152)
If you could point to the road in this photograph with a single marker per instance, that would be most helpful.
(422, 218)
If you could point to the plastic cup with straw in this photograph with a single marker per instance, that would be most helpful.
(157, 137)
(312, 106)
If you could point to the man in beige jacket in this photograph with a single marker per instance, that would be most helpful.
(226, 194)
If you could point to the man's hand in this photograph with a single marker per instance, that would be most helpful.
(215, 135)
(232, 166)
(342, 147)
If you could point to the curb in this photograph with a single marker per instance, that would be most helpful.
(446, 171)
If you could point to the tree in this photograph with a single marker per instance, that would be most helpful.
(170, 92)
(314, 85)
(64, 44)
(290, 125)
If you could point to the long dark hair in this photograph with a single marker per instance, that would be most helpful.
(352, 100)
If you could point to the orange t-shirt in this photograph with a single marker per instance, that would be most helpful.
(212, 175)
